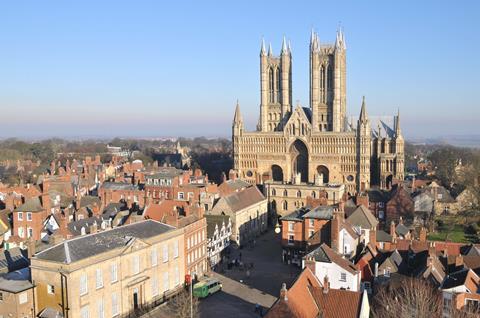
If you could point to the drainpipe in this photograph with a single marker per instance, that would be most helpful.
(33, 296)
(65, 308)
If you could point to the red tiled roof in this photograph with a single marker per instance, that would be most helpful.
(299, 302)
(163, 209)
(337, 303)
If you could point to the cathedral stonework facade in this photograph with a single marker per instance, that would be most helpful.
(315, 145)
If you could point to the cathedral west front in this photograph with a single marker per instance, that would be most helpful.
(315, 145)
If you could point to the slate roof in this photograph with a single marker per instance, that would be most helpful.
(31, 205)
(95, 244)
(75, 227)
(165, 172)
(456, 279)
(13, 259)
(240, 200)
(363, 218)
(325, 254)
(383, 236)
(377, 195)
(113, 208)
(90, 200)
(119, 186)
(237, 184)
(402, 229)
(16, 282)
(213, 220)
(50, 313)
(322, 212)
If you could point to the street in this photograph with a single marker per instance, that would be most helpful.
(240, 293)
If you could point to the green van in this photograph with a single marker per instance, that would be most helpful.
(206, 287)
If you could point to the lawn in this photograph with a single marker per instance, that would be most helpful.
(451, 228)
(455, 234)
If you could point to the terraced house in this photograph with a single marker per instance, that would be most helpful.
(111, 273)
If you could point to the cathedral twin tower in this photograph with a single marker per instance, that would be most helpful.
(327, 85)
(303, 144)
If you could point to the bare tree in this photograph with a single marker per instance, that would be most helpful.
(182, 305)
(410, 298)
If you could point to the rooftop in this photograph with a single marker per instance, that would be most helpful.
(86, 246)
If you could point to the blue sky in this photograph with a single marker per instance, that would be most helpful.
(167, 68)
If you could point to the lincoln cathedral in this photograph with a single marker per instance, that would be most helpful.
(316, 145)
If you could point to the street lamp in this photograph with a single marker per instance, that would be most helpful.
(277, 228)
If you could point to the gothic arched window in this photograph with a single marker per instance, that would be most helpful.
(330, 77)
(271, 83)
(277, 86)
(285, 205)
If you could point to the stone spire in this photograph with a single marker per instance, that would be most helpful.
(262, 49)
(363, 112)
(289, 48)
(340, 40)
(237, 118)
(270, 51)
(398, 132)
(342, 34)
(314, 42)
(284, 46)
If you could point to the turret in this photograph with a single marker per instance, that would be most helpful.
(237, 118)
(398, 132)
(286, 67)
(363, 118)
(263, 52)
(363, 149)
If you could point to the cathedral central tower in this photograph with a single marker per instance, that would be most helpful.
(328, 84)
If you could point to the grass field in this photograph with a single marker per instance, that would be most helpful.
(452, 228)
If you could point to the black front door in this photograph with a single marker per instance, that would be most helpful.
(135, 299)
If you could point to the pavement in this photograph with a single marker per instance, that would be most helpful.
(241, 292)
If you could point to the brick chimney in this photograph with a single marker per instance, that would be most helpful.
(52, 167)
(46, 202)
(459, 260)
(423, 234)
(362, 199)
(93, 228)
(30, 248)
(310, 263)
(392, 230)
(284, 292)
(431, 249)
(373, 236)
(232, 175)
(326, 285)
(334, 232)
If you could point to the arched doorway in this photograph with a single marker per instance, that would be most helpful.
(324, 173)
(277, 173)
(299, 155)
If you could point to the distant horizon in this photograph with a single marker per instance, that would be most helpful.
(152, 69)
